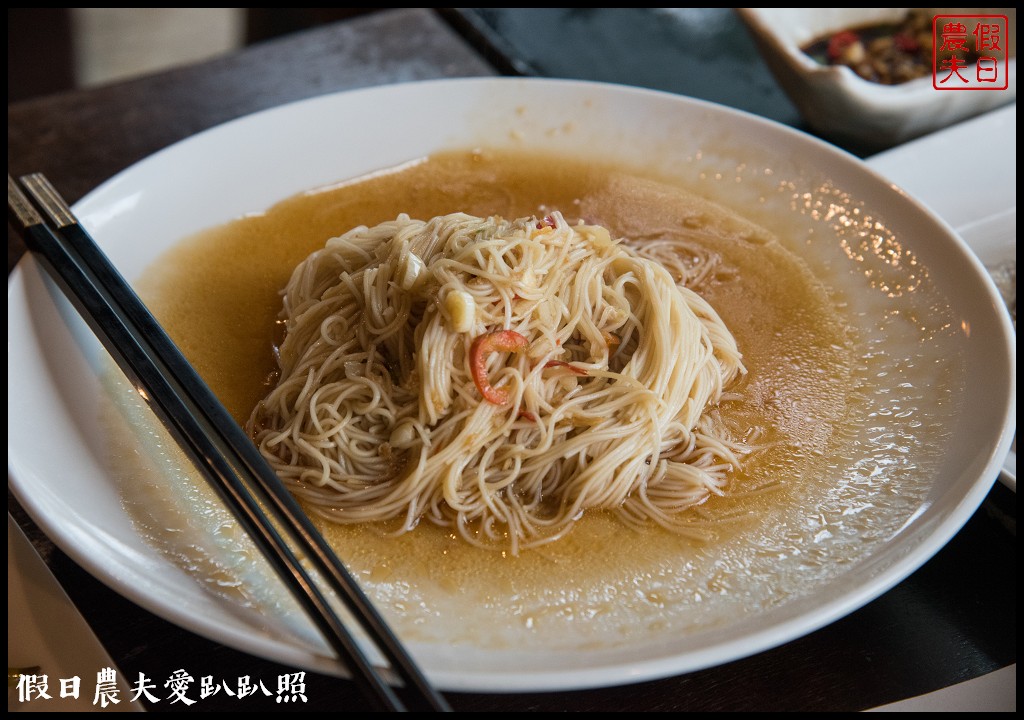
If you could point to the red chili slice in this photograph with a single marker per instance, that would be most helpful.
(497, 341)
(562, 363)
(906, 43)
(839, 42)
(548, 221)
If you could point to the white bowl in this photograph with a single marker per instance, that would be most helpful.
(838, 103)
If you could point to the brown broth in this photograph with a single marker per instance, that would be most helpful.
(218, 295)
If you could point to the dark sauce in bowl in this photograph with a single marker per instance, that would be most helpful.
(887, 53)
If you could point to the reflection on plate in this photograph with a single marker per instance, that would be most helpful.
(981, 206)
(907, 286)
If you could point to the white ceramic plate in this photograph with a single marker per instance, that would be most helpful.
(56, 448)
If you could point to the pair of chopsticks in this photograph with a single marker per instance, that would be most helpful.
(214, 441)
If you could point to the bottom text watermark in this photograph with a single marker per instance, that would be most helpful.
(179, 687)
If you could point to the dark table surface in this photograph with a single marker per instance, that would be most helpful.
(952, 620)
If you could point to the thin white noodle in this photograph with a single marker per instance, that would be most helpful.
(377, 416)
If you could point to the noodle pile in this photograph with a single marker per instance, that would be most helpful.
(498, 377)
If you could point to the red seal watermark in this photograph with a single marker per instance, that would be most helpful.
(969, 52)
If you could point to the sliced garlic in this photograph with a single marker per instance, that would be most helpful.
(527, 281)
(402, 436)
(412, 270)
(461, 308)
(599, 236)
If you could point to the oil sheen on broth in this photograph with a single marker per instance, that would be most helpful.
(791, 520)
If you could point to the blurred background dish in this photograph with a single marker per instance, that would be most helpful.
(843, 106)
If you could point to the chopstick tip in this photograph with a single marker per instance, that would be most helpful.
(48, 199)
(19, 206)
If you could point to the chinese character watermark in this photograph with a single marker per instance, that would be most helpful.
(142, 688)
(33, 687)
(107, 692)
(291, 688)
(969, 52)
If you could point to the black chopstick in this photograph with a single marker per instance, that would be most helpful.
(217, 444)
